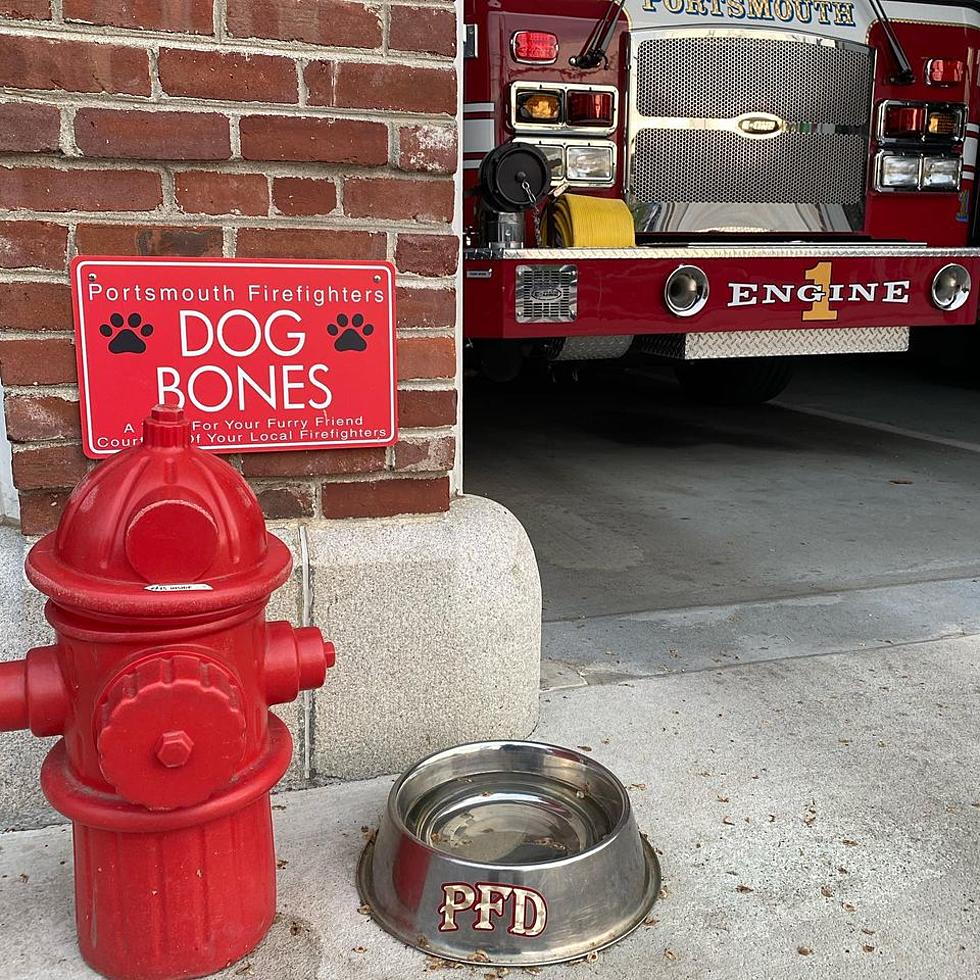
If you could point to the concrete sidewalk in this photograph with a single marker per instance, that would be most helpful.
(819, 817)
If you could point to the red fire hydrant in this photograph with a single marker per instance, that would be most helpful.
(160, 682)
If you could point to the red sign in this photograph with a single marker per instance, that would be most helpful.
(262, 355)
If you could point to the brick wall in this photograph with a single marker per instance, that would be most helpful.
(273, 128)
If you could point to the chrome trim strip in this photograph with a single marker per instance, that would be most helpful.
(733, 125)
(649, 254)
(474, 107)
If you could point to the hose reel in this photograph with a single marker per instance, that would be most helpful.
(579, 221)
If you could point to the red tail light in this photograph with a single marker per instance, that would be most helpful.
(904, 121)
(590, 109)
(535, 47)
(943, 71)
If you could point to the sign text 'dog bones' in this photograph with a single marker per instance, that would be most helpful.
(261, 355)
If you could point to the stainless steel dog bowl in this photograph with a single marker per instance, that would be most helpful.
(509, 853)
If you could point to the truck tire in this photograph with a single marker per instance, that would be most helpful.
(735, 381)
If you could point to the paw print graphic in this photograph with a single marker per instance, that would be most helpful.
(349, 333)
(127, 334)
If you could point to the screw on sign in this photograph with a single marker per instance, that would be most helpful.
(260, 355)
(160, 681)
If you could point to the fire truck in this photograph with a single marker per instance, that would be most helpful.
(725, 183)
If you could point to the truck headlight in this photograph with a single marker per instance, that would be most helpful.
(951, 287)
(898, 172)
(592, 164)
(941, 173)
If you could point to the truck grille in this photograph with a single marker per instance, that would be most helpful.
(691, 167)
(716, 166)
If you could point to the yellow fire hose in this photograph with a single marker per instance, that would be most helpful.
(578, 221)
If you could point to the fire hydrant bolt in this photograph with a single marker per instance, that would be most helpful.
(174, 749)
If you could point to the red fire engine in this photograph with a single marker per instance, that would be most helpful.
(723, 182)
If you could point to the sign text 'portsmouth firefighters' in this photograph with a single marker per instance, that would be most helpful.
(261, 355)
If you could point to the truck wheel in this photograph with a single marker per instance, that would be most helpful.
(735, 381)
(499, 361)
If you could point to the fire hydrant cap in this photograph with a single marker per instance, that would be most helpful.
(171, 731)
(164, 519)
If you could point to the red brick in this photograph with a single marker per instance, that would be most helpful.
(425, 455)
(33, 418)
(134, 135)
(397, 88)
(310, 243)
(48, 189)
(28, 128)
(427, 309)
(339, 23)
(385, 498)
(226, 75)
(185, 16)
(26, 9)
(149, 240)
(429, 29)
(426, 357)
(314, 462)
(303, 195)
(203, 192)
(32, 245)
(311, 139)
(73, 66)
(39, 512)
(48, 467)
(427, 255)
(284, 503)
(37, 362)
(35, 306)
(418, 407)
(428, 149)
(399, 198)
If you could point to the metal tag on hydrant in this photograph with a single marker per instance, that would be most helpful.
(261, 355)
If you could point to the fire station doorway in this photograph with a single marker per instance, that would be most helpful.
(676, 536)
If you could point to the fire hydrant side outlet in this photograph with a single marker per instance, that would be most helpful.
(161, 686)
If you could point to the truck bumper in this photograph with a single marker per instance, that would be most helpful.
(829, 290)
